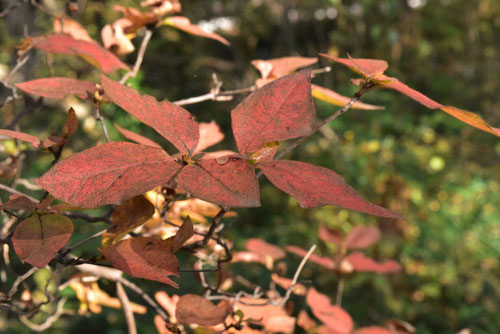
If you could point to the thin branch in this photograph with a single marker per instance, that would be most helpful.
(87, 218)
(18, 282)
(140, 57)
(16, 68)
(101, 120)
(49, 321)
(70, 248)
(127, 310)
(16, 192)
(340, 291)
(215, 96)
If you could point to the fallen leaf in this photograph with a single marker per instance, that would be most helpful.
(38, 238)
(108, 174)
(278, 111)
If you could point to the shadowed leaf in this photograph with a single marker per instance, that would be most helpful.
(194, 309)
(91, 52)
(278, 111)
(143, 257)
(38, 238)
(184, 24)
(136, 137)
(315, 186)
(362, 237)
(210, 134)
(19, 202)
(334, 317)
(184, 233)
(126, 217)
(174, 123)
(227, 180)
(330, 235)
(59, 87)
(108, 174)
(361, 262)
(329, 96)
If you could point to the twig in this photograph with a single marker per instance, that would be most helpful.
(16, 192)
(140, 57)
(127, 310)
(18, 282)
(49, 321)
(101, 120)
(87, 218)
(16, 68)
(340, 291)
(144, 296)
(213, 226)
(321, 70)
(215, 96)
(70, 248)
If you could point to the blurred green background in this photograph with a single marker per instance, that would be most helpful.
(442, 175)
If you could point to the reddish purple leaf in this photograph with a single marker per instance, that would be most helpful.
(136, 137)
(143, 257)
(22, 136)
(280, 110)
(194, 309)
(330, 235)
(315, 186)
(174, 123)
(395, 84)
(38, 238)
(278, 67)
(108, 174)
(261, 247)
(91, 52)
(227, 180)
(326, 262)
(361, 262)
(368, 68)
(184, 24)
(333, 316)
(59, 87)
(362, 237)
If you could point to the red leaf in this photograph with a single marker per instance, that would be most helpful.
(71, 124)
(361, 262)
(315, 186)
(19, 202)
(326, 262)
(108, 174)
(330, 235)
(174, 123)
(395, 84)
(227, 180)
(329, 96)
(210, 134)
(368, 68)
(136, 137)
(305, 321)
(267, 314)
(193, 309)
(38, 238)
(143, 257)
(372, 330)
(471, 119)
(263, 248)
(59, 87)
(184, 24)
(286, 283)
(334, 317)
(280, 110)
(91, 52)
(126, 217)
(22, 136)
(362, 237)
(278, 67)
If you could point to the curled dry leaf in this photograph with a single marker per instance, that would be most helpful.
(360, 262)
(136, 18)
(315, 186)
(136, 137)
(332, 97)
(184, 24)
(38, 238)
(22, 136)
(280, 110)
(333, 316)
(59, 87)
(114, 38)
(263, 248)
(108, 174)
(126, 217)
(362, 237)
(91, 52)
(230, 182)
(279, 67)
(68, 26)
(143, 257)
(174, 123)
(194, 309)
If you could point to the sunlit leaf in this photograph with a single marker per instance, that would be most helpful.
(471, 119)
(66, 25)
(59, 87)
(184, 24)
(210, 134)
(263, 248)
(329, 96)
(278, 67)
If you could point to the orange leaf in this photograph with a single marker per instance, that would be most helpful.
(329, 96)
(184, 24)
(333, 316)
(72, 28)
(471, 119)
(279, 67)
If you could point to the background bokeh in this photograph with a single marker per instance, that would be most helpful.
(442, 175)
